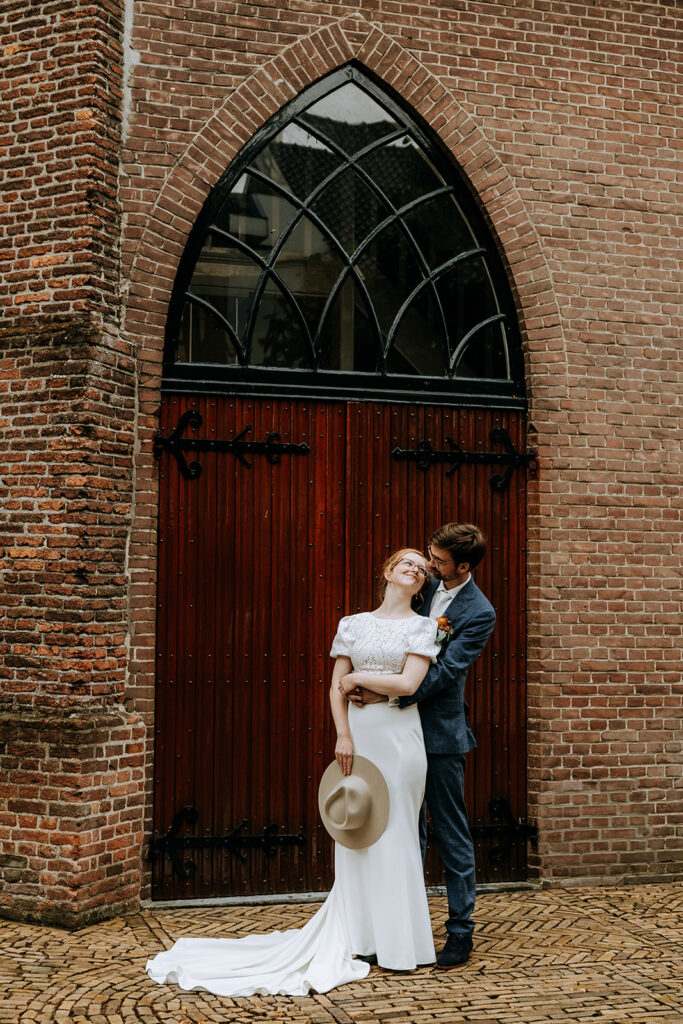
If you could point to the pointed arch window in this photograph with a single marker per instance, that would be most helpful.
(341, 252)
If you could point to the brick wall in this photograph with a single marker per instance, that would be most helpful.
(60, 137)
(70, 751)
(563, 118)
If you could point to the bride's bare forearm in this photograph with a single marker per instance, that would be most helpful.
(338, 703)
(340, 713)
(393, 684)
(386, 684)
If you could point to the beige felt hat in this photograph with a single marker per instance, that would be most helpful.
(354, 808)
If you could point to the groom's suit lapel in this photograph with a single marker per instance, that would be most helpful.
(457, 606)
(459, 603)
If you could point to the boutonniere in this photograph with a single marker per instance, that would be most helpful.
(444, 631)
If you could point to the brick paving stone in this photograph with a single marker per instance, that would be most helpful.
(561, 956)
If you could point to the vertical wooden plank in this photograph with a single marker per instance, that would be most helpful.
(504, 669)
(265, 660)
(303, 734)
(198, 723)
(247, 568)
(339, 582)
(518, 734)
(280, 813)
(479, 680)
(166, 648)
(494, 662)
(231, 720)
(334, 589)
(220, 693)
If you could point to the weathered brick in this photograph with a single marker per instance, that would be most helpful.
(563, 119)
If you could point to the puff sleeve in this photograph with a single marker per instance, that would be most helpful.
(422, 639)
(343, 641)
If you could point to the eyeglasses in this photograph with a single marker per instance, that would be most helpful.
(438, 561)
(424, 573)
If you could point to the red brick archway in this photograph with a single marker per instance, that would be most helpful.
(162, 225)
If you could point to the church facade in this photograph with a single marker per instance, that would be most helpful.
(287, 286)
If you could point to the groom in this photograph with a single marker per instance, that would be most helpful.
(454, 551)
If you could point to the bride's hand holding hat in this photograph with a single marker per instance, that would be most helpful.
(354, 808)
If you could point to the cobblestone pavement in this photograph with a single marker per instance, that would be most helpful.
(613, 955)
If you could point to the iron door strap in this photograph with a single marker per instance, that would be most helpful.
(504, 827)
(425, 455)
(272, 447)
(270, 840)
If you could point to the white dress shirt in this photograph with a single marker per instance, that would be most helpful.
(443, 597)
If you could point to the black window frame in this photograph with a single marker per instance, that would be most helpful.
(232, 379)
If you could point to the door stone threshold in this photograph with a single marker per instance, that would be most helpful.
(315, 897)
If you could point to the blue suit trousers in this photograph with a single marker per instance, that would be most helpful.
(445, 798)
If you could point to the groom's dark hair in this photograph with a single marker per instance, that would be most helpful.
(464, 542)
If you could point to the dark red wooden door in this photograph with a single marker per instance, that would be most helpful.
(256, 565)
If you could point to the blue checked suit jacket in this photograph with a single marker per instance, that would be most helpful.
(440, 697)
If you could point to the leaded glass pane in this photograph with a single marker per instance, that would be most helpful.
(296, 160)
(279, 338)
(390, 272)
(418, 346)
(402, 171)
(348, 339)
(309, 268)
(440, 230)
(204, 339)
(255, 213)
(224, 278)
(483, 356)
(350, 209)
(467, 297)
(349, 117)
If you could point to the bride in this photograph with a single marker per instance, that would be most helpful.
(377, 910)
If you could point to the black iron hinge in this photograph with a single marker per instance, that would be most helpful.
(425, 455)
(272, 447)
(235, 841)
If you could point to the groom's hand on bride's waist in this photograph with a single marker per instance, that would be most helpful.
(360, 696)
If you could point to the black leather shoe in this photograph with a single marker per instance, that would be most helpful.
(367, 958)
(456, 952)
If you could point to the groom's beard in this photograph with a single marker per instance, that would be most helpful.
(443, 579)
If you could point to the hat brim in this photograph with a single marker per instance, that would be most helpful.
(376, 821)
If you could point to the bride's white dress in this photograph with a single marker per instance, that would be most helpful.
(378, 903)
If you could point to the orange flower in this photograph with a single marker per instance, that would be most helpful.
(442, 623)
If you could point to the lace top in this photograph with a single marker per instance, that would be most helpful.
(382, 645)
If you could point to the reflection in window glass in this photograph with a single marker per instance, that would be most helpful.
(296, 161)
(418, 346)
(350, 210)
(467, 297)
(204, 339)
(309, 268)
(440, 230)
(402, 170)
(279, 338)
(225, 279)
(349, 117)
(255, 213)
(390, 272)
(348, 338)
(319, 260)
(484, 355)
